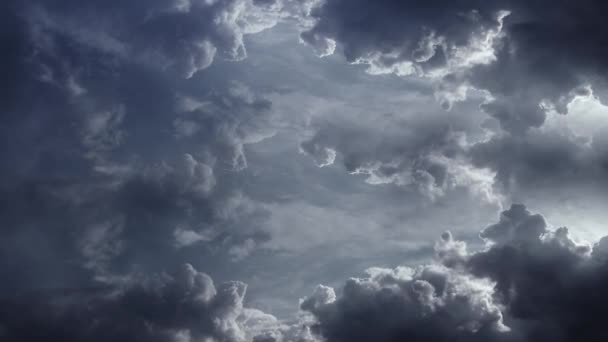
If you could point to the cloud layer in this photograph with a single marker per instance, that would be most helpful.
(183, 306)
(141, 141)
(529, 284)
(114, 157)
(523, 53)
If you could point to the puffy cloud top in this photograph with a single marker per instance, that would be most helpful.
(529, 284)
(183, 306)
(523, 53)
(183, 36)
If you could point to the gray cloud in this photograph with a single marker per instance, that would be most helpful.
(131, 142)
(550, 284)
(177, 35)
(404, 157)
(522, 53)
(545, 158)
(98, 175)
(185, 305)
(429, 304)
(427, 152)
(225, 122)
(529, 284)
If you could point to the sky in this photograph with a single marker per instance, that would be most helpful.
(303, 170)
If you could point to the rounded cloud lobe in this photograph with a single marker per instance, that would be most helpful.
(184, 306)
(522, 53)
(121, 159)
(529, 284)
(182, 36)
(529, 60)
(112, 161)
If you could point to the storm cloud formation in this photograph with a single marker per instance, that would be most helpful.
(527, 61)
(184, 306)
(106, 153)
(182, 36)
(521, 52)
(529, 284)
(144, 140)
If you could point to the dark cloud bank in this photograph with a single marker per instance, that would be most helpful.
(522, 52)
(95, 226)
(185, 306)
(530, 284)
(109, 144)
(529, 58)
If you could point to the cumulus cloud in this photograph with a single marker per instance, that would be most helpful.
(522, 71)
(565, 158)
(225, 123)
(116, 158)
(173, 210)
(127, 148)
(521, 53)
(427, 153)
(183, 36)
(431, 303)
(530, 283)
(185, 305)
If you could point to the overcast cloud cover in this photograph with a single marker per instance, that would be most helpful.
(303, 170)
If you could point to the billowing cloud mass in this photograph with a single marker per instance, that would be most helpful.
(522, 53)
(110, 156)
(522, 62)
(184, 306)
(178, 35)
(529, 284)
(429, 155)
(288, 143)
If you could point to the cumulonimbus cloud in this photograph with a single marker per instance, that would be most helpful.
(78, 177)
(184, 305)
(522, 53)
(529, 284)
(182, 36)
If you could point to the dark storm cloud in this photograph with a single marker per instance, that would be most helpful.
(427, 152)
(434, 304)
(403, 152)
(530, 284)
(540, 51)
(110, 161)
(226, 122)
(532, 63)
(183, 306)
(123, 153)
(552, 287)
(543, 159)
(65, 87)
(116, 162)
(183, 36)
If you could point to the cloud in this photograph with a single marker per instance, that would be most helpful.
(185, 305)
(100, 176)
(550, 284)
(183, 36)
(225, 123)
(127, 148)
(431, 303)
(564, 152)
(529, 284)
(419, 150)
(521, 53)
